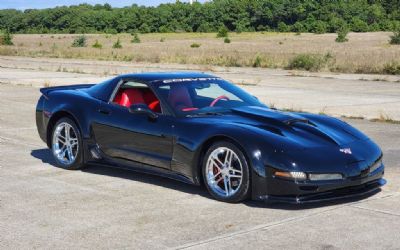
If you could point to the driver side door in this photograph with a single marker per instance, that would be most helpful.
(134, 137)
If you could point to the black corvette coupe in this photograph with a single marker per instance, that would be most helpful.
(198, 128)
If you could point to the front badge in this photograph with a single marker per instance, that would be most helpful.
(346, 151)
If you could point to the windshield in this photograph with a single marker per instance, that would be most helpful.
(198, 96)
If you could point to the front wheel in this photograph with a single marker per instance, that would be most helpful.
(226, 172)
(67, 144)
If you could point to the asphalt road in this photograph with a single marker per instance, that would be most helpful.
(42, 206)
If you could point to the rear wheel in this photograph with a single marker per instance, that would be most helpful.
(67, 144)
(226, 172)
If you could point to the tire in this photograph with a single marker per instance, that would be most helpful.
(68, 153)
(221, 175)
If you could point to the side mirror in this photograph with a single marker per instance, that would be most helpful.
(142, 109)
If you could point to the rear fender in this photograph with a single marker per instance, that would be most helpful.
(46, 91)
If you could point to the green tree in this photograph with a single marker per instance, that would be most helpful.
(97, 45)
(223, 31)
(80, 41)
(136, 38)
(395, 38)
(117, 44)
(319, 27)
(6, 38)
(282, 27)
(359, 25)
(234, 15)
(342, 35)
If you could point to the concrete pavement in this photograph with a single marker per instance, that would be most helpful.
(42, 206)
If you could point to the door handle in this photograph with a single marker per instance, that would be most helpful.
(104, 111)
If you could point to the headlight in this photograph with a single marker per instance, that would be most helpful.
(299, 176)
(375, 166)
(324, 177)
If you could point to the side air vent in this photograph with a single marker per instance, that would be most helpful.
(94, 151)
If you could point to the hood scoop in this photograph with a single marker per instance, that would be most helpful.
(266, 114)
(301, 129)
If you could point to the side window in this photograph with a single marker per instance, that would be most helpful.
(131, 93)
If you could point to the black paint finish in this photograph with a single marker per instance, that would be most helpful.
(173, 145)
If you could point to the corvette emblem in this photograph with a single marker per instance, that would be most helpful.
(346, 151)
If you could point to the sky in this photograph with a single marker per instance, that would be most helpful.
(41, 4)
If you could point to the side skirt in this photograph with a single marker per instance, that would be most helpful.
(142, 168)
(122, 163)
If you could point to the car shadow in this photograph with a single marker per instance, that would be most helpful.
(46, 156)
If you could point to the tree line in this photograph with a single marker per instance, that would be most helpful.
(236, 15)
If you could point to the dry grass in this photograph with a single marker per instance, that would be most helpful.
(385, 118)
(382, 118)
(364, 53)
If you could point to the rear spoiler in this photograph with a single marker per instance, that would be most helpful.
(46, 91)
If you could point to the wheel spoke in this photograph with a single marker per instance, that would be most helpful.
(217, 161)
(229, 185)
(235, 176)
(226, 186)
(63, 152)
(228, 157)
(215, 164)
(219, 179)
(70, 155)
(214, 178)
(61, 139)
(66, 129)
(219, 172)
(73, 141)
(235, 170)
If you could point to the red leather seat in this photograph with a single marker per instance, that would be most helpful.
(179, 97)
(128, 97)
(152, 101)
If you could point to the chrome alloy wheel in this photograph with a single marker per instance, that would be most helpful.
(65, 143)
(224, 172)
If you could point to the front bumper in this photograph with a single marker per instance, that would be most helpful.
(288, 191)
(336, 194)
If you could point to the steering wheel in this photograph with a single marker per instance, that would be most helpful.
(222, 97)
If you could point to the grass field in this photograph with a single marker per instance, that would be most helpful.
(364, 53)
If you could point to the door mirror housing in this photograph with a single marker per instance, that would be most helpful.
(142, 109)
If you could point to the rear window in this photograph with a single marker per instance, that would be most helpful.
(102, 91)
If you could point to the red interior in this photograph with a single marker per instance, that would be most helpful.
(128, 97)
(179, 98)
(151, 100)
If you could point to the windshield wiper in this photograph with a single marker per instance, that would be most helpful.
(204, 114)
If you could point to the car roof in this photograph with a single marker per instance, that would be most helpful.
(161, 76)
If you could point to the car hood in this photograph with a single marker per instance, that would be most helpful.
(301, 129)
(309, 142)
